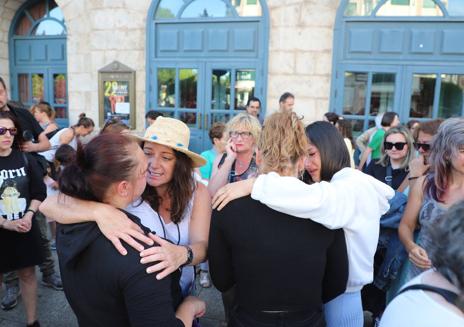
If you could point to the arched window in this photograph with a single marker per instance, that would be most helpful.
(207, 9)
(404, 8)
(38, 56)
(43, 18)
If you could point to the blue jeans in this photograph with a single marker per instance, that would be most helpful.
(242, 318)
(345, 310)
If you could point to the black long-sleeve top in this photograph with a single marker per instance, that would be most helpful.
(105, 288)
(276, 261)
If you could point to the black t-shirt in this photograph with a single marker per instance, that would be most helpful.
(21, 182)
(277, 262)
(30, 127)
(379, 172)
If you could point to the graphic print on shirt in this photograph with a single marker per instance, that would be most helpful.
(12, 206)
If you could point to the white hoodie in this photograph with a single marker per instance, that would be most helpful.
(352, 200)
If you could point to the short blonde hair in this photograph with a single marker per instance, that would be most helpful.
(247, 122)
(282, 143)
(385, 159)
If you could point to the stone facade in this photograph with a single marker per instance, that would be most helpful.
(101, 31)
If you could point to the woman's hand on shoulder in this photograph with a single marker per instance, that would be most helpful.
(116, 226)
(167, 257)
(231, 192)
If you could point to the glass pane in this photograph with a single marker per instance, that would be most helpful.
(190, 118)
(451, 96)
(409, 8)
(59, 88)
(168, 8)
(37, 87)
(56, 13)
(382, 93)
(61, 112)
(245, 82)
(423, 94)
(166, 87)
(49, 27)
(38, 10)
(167, 113)
(220, 89)
(188, 79)
(247, 7)
(354, 94)
(360, 8)
(23, 88)
(23, 25)
(455, 7)
(220, 117)
(207, 8)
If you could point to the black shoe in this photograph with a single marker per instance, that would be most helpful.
(34, 324)
(10, 299)
(53, 281)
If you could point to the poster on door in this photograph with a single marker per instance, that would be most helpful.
(116, 102)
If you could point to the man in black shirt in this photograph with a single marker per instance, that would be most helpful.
(37, 142)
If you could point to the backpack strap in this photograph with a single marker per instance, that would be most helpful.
(449, 296)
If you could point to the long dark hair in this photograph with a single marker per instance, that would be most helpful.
(180, 188)
(18, 138)
(105, 160)
(332, 149)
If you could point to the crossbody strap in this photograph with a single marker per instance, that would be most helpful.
(449, 296)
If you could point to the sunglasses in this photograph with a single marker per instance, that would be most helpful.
(397, 145)
(425, 146)
(13, 131)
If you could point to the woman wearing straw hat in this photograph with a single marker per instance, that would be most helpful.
(173, 205)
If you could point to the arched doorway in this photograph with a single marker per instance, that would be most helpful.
(38, 62)
(398, 55)
(205, 59)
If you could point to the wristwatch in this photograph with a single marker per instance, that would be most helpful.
(189, 256)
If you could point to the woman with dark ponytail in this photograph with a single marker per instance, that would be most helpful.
(103, 287)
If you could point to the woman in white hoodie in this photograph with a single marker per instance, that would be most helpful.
(347, 199)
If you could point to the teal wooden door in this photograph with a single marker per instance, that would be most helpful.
(205, 58)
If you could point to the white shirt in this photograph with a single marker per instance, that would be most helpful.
(418, 308)
(352, 200)
(55, 144)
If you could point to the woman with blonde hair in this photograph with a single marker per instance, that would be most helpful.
(252, 246)
(397, 151)
(239, 161)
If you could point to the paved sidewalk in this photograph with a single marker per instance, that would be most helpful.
(54, 310)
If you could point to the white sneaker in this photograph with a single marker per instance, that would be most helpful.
(205, 282)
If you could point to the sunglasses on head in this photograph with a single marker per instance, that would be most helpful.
(425, 146)
(397, 145)
(13, 131)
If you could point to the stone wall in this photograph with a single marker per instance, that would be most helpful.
(101, 31)
(300, 54)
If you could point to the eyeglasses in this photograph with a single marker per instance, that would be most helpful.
(397, 145)
(235, 134)
(13, 131)
(425, 146)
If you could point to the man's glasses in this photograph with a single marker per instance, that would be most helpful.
(397, 145)
(425, 146)
(13, 131)
(235, 134)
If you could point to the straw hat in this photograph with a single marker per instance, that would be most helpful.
(174, 134)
